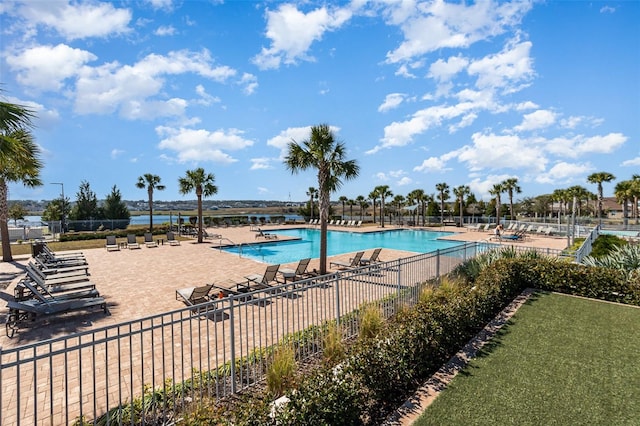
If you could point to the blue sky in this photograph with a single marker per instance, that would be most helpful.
(421, 92)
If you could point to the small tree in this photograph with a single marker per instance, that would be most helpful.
(151, 183)
(114, 207)
(203, 184)
(86, 206)
(17, 211)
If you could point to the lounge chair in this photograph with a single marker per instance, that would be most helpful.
(295, 274)
(358, 224)
(44, 303)
(354, 263)
(112, 243)
(171, 238)
(195, 295)
(59, 277)
(48, 269)
(132, 243)
(262, 282)
(371, 259)
(266, 235)
(148, 240)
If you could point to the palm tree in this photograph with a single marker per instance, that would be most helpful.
(363, 204)
(203, 184)
(373, 196)
(418, 196)
(23, 165)
(323, 153)
(383, 192)
(343, 199)
(351, 203)
(460, 192)
(151, 182)
(496, 191)
(398, 200)
(510, 186)
(311, 193)
(598, 178)
(623, 192)
(13, 118)
(635, 191)
(443, 196)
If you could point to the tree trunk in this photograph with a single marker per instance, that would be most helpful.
(4, 225)
(150, 191)
(199, 195)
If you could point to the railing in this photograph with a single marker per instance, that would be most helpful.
(211, 350)
(587, 245)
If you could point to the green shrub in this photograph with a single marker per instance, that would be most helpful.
(333, 349)
(371, 321)
(281, 371)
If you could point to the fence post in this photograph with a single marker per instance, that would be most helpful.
(337, 286)
(438, 266)
(232, 342)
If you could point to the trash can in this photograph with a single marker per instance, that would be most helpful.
(37, 248)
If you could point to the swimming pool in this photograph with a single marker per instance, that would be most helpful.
(339, 242)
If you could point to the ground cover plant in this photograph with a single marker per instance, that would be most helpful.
(560, 360)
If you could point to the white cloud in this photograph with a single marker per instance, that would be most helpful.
(404, 181)
(491, 151)
(74, 20)
(579, 145)
(127, 88)
(115, 153)
(564, 173)
(607, 9)
(47, 67)
(445, 70)
(292, 32)
(481, 187)
(161, 4)
(205, 98)
(631, 162)
(261, 164)
(432, 164)
(539, 119)
(392, 100)
(428, 27)
(509, 70)
(196, 145)
(527, 105)
(297, 134)
(250, 83)
(165, 30)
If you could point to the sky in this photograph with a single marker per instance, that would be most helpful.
(420, 92)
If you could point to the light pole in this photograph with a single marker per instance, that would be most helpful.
(63, 205)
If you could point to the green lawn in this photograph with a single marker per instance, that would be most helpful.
(560, 361)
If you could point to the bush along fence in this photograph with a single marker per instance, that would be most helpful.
(144, 370)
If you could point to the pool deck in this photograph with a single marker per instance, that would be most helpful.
(151, 276)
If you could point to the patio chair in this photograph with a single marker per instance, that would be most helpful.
(354, 263)
(295, 274)
(171, 239)
(264, 281)
(132, 243)
(148, 240)
(112, 244)
(371, 259)
(194, 295)
(266, 235)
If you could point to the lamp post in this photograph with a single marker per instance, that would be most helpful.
(63, 205)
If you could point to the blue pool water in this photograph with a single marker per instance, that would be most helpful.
(339, 242)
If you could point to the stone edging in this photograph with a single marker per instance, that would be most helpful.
(426, 394)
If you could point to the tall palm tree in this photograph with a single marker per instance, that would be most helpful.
(151, 183)
(460, 192)
(23, 165)
(383, 192)
(373, 196)
(363, 204)
(623, 192)
(418, 196)
(343, 199)
(496, 191)
(598, 178)
(203, 184)
(510, 186)
(443, 190)
(398, 201)
(635, 191)
(323, 153)
(311, 192)
(351, 203)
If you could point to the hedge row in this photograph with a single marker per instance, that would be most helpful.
(380, 373)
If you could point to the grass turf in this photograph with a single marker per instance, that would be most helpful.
(560, 361)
